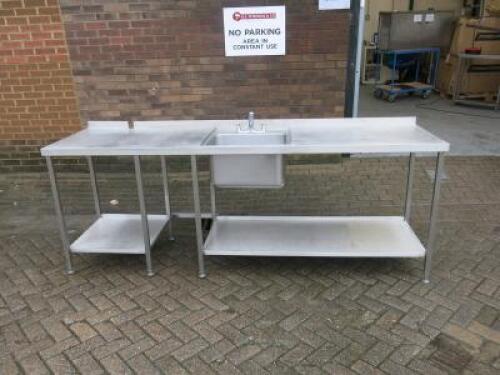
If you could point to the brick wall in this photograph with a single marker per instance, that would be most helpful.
(37, 97)
(158, 59)
(153, 59)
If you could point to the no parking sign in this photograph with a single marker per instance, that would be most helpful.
(255, 31)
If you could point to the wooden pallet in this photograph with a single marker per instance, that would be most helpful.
(406, 85)
(485, 96)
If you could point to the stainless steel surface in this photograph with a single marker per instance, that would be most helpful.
(197, 219)
(108, 125)
(144, 217)
(213, 208)
(309, 136)
(409, 187)
(251, 121)
(257, 171)
(372, 237)
(433, 217)
(60, 218)
(118, 234)
(95, 189)
(308, 236)
(359, 48)
(248, 139)
(166, 192)
(398, 30)
(191, 215)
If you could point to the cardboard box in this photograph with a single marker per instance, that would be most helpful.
(492, 7)
(468, 29)
(472, 83)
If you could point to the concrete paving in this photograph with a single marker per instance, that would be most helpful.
(255, 315)
(470, 131)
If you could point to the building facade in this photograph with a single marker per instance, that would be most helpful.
(64, 63)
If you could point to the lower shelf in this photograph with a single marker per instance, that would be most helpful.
(305, 236)
(118, 234)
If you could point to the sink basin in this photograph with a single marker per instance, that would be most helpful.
(247, 139)
(247, 171)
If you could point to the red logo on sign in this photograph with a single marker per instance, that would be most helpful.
(237, 16)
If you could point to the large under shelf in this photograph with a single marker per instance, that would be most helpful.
(307, 236)
(118, 234)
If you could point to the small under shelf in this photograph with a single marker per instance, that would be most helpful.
(118, 234)
(307, 236)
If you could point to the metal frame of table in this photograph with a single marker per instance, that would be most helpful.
(432, 228)
(145, 219)
(330, 237)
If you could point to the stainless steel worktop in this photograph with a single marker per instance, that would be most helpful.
(307, 136)
(257, 154)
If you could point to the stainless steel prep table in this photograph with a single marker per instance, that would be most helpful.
(253, 235)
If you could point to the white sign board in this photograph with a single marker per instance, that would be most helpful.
(255, 31)
(334, 4)
(429, 17)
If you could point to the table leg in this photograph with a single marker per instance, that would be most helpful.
(409, 187)
(93, 183)
(60, 218)
(433, 217)
(166, 191)
(144, 216)
(212, 193)
(197, 218)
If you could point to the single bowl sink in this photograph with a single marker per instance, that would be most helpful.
(247, 139)
(247, 171)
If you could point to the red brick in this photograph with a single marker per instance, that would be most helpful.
(41, 20)
(16, 20)
(37, 59)
(7, 12)
(19, 36)
(54, 42)
(49, 10)
(12, 4)
(43, 36)
(30, 28)
(45, 51)
(12, 45)
(34, 3)
(95, 25)
(52, 27)
(13, 60)
(26, 11)
(34, 43)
